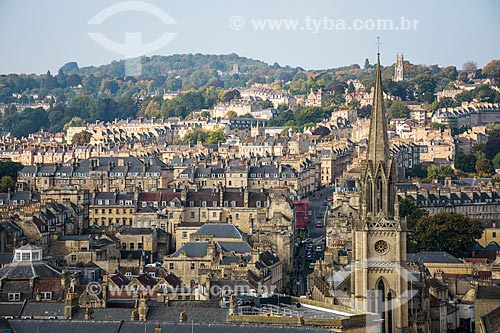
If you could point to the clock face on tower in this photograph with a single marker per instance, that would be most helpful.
(381, 247)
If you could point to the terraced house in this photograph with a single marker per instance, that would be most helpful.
(100, 173)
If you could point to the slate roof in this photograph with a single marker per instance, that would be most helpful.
(268, 258)
(491, 321)
(29, 269)
(30, 326)
(46, 309)
(488, 292)
(10, 309)
(432, 257)
(220, 230)
(6, 258)
(236, 247)
(193, 250)
(195, 315)
(137, 231)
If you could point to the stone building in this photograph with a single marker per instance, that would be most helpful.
(31, 278)
(378, 279)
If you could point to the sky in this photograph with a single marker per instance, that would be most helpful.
(41, 35)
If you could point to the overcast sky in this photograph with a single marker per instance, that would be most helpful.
(41, 35)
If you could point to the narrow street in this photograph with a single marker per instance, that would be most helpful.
(310, 249)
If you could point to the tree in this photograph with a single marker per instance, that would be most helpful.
(483, 93)
(492, 70)
(230, 95)
(469, 66)
(492, 147)
(450, 232)
(408, 209)
(465, 162)
(450, 72)
(485, 167)
(216, 136)
(367, 63)
(350, 88)
(74, 122)
(439, 173)
(365, 111)
(7, 184)
(496, 159)
(398, 109)
(418, 170)
(9, 168)
(81, 138)
(267, 104)
(465, 96)
(231, 114)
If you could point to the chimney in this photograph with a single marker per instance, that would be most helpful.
(183, 317)
(89, 312)
(64, 279)
(70, 304)
(245, 196)
(143, 308)
(134, 315)
(233, 305)
(104, 288)
(158, 329)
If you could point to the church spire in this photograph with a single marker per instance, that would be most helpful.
(378, 142)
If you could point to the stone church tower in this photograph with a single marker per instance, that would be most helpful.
(378, 278)
(398, 69)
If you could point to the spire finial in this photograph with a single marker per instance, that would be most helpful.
(378, 45)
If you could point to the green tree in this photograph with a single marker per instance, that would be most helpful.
(450, 72)
(492, 147)
(483, 93)
(216, 136)
(408, 209)
(367, 63)
(231, 114)
(350, 88)
(484, 167)
(450, 232)
(496, 159)
(439, 173)
(194, 135)
(7, 183)
(465, 162)
(398, 109)
(492, 71)
(74, 122)
(9, 168)
(81, 138)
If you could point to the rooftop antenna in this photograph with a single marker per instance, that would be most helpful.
(378, 43)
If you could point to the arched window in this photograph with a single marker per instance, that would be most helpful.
(379, 197)
(381, 303)
(368, 195)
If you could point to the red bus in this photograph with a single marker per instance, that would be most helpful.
(301, 213)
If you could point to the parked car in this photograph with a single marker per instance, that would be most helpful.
(319, 224)
(330, 198)
(325, 203)
(307, 241)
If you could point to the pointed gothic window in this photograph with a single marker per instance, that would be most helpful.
(379, 196)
